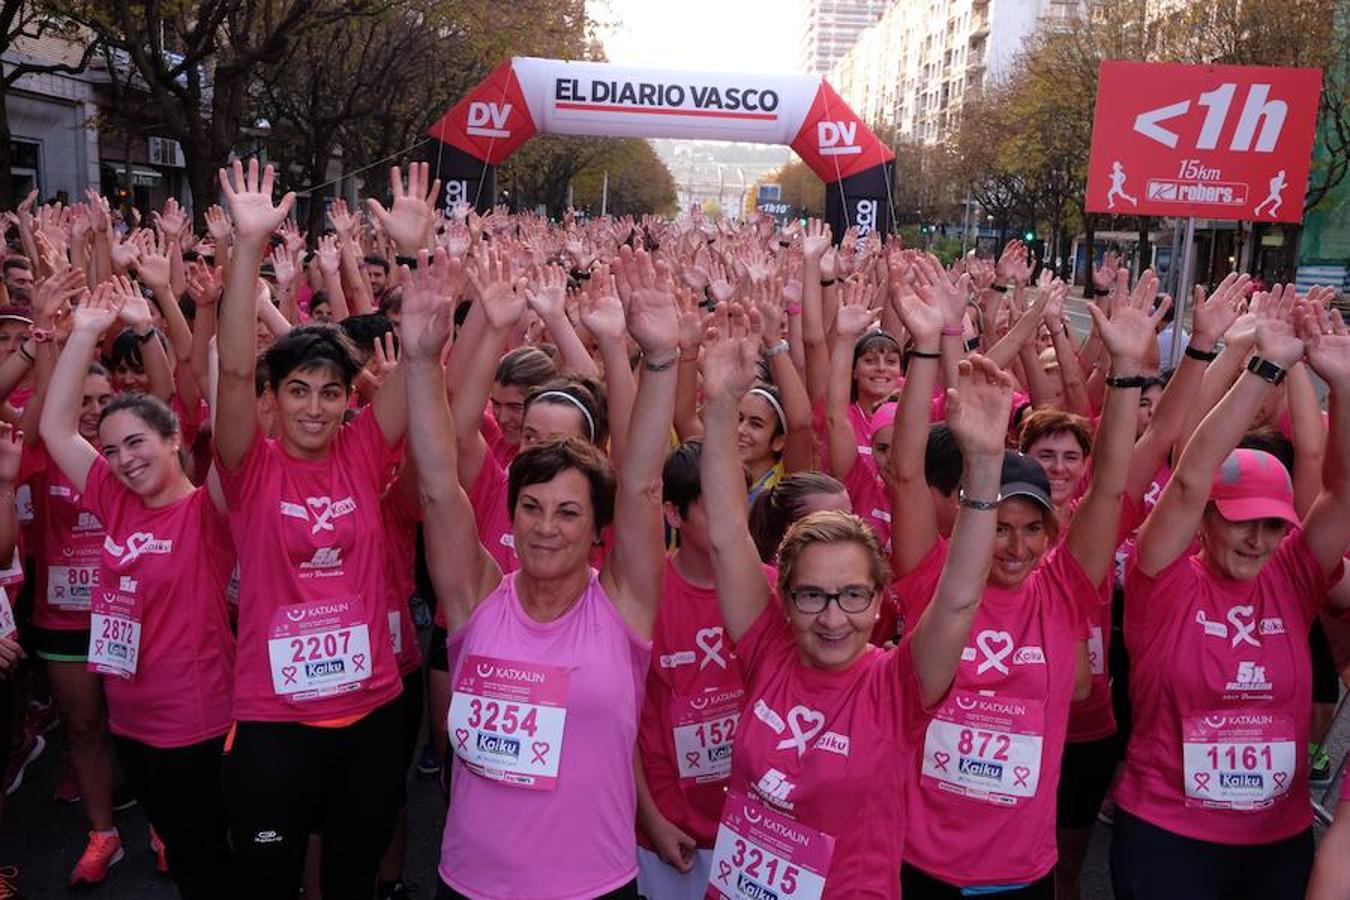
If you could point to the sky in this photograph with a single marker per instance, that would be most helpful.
(700, 35)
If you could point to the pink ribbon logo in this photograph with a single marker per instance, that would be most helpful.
(98, 647)
(288, 672)
(1202, 781)
(359, 660)
(691, 758)
(1280, 779)
(1022, 773)
(723, 871)
(539, 748)
(941, 759)
(461, 738)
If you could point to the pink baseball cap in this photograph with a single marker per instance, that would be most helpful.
(1252, 484)
(884, 417)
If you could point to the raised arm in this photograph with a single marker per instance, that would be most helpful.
(60, 426)
(1066, 350)
(1171, 526)
(799, 445)
(134, 311)
(814, 245)
(461, 570)
(602, 314)
(729, 356)
(976, 412)
(547, 296)
(255, 216)
(1326, 528)
(1127, 335)
(634, 570)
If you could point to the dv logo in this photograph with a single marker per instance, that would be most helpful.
(488, 119)
(837, 138)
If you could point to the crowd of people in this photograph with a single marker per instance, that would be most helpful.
(764, 562)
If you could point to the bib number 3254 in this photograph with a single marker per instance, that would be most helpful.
(507, 720)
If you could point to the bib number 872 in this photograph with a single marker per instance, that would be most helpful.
(969, 738)
(749, 860)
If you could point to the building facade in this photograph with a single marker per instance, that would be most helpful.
(830, 28)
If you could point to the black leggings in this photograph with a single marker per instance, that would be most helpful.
(915, 884)
(180, 791)
(285, 781)
(411, 706)
(628, 891)
(1152, 863)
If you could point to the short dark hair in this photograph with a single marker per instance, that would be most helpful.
(380, 261)
(544, 462)
(525, 367)
(1049, 422)
(310, 346)
(942, 460)
(365, 329)
(1273, 442)
(392, 301)
(681, 484)
(17, 262)
(148, 408)
(779, 506)
(587, 393)
(126, 349)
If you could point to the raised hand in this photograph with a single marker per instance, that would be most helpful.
(427, 320)
(979, 406)
(133, 308)
(1131, 328)
(204, 284)
(55, 292)
(99, 217)
(935, 285)
(921, 316)
(1276, 337)
(767, 301)
(1326, 341)
(1214, 315)
(328, 255)
(249, 194)
(152, 263)
(1056, 292)
(652, 318)
(409, 220)
(492, 277)
(547, 296)
(691, 322)
(283, 266)
(11, 452)
(293, 237)
(855, 314)
(1013, 266)
(600, 308)
(172, 221)
(816, 241)
(1104, 276)
(730, 356)
(97, 312)
(218, 225)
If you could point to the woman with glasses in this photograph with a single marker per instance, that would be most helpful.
(817, 775)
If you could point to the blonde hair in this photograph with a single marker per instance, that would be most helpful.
(830, 526)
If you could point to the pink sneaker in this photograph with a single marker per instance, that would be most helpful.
(161, 862)
(103, 851)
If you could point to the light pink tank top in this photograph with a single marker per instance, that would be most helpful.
(577, 839)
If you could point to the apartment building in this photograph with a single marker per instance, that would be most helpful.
(912, 70)
(830, 28)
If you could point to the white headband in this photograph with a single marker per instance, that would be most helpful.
(773, 401)
(585, 413)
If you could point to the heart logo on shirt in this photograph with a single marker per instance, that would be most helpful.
(996, 646)
(1280, 778)
(709, 640)
(136, 543)
(288, 673)
(801, 736)
(359, 661)
(322, 507)
(940, 759)
(461, 738)
(1022, 773)
(540, 748)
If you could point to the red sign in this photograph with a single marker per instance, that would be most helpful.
(834, 142)
(491, 122)
(1217, 142)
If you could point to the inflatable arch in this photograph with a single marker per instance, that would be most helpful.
(525, 96)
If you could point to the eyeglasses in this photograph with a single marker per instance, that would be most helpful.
(853, 598)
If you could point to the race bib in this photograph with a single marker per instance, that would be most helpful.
(507, 720)
(1096, 657)
(986, 748)
(8, 628)
(1238, 759)
(704, 728)
(319, 649)
(396, 632)
(760, 853)
(23, 504)
(115, 635)
(71, 587)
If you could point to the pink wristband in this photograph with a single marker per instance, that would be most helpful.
(953, 331)
(794, 309)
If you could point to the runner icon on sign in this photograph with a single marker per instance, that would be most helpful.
(1276, 199)
(1118, 187)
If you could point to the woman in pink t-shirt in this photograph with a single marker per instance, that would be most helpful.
(548, 663)
(831, 722)
(160, 631)
(1213, 802)
(991, 756)
(315, 745)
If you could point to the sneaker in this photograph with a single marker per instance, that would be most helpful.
(1107, 814)
(161, 862)
(427, 764)
(9, 883)
(40, 718)
(67, 788)
(104, 850)
(19, 761)
(391, 890)
(1319, 764)
(123, 799)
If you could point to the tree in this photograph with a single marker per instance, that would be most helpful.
(638, 181)
(800, 188)
(23, 21)
(197, 60)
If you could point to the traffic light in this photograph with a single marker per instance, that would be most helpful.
(1029, 236)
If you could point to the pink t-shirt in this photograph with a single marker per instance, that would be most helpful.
(165, 569)
(496, 441)
(1221, 685)
(69, 547)
(400, 536)
(487, 495)
(313, 641)
(982, 796)
(574, 840)
(694, 685)
(869, 497)
(830, 750)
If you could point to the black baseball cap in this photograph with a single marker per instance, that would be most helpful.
(1024, 477)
